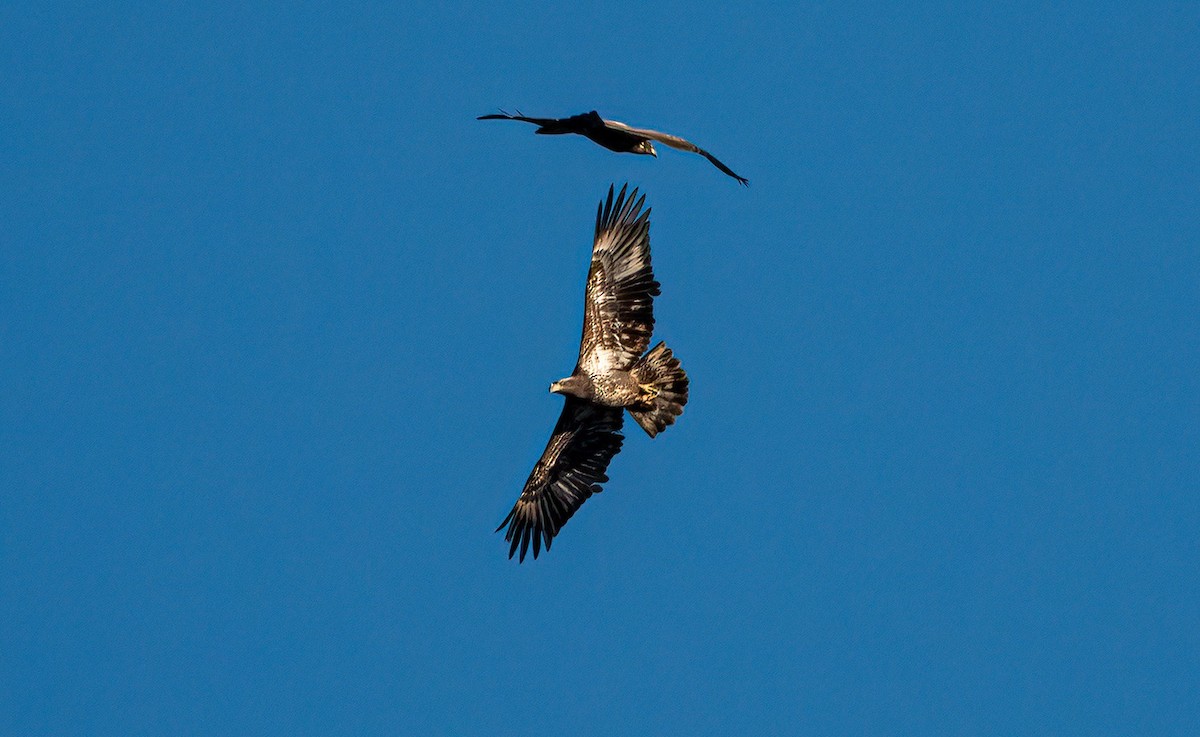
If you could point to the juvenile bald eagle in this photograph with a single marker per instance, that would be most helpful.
(611, 376)
(614, 135)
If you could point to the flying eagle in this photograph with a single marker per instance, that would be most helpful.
(614, 135)
(611, 376)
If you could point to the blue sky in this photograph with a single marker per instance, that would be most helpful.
(277, 318)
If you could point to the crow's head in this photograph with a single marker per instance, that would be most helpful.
(645, 147)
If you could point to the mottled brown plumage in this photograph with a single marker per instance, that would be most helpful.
(614, 135)
(612, 375)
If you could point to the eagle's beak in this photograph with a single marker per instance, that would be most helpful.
(555, 388)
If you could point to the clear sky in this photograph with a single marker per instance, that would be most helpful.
(278, 317)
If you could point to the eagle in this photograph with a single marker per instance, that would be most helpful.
(614, 373)
(614, 135)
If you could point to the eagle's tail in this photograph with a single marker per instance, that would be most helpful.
(659, 371)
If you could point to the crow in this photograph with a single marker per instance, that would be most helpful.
(614, 135)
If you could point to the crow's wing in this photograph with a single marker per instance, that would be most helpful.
(580, 124)
(674, 142)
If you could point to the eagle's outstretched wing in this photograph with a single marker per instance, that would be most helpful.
(674, 142)
(618, 313)
(570, 470)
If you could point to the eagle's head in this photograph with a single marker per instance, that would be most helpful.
(645, 147)
(575, 386)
